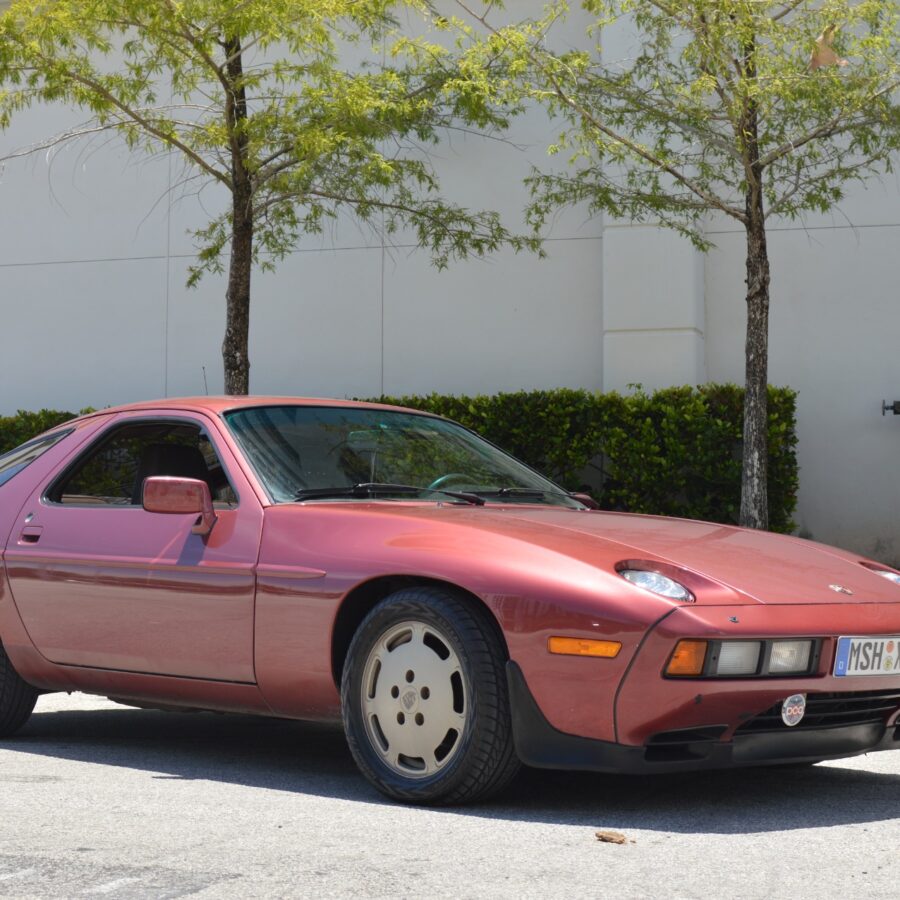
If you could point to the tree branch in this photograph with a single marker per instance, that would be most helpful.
(194, 42)
(135, 115)
(641, 151)
(834, 126)
(787, 10)
(800, 183)
(633, 146)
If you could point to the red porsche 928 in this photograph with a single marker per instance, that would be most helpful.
(320, 559)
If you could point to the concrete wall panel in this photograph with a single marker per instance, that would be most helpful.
(90, 199)
(835, 322)
(81, 334)
(504, 324)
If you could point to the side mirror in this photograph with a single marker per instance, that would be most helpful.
(586, 499)
(180, 497)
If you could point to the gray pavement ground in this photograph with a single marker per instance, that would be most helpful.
(97, 800)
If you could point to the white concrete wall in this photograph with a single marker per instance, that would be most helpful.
(653, 309)
(94, 252)
(94, 257)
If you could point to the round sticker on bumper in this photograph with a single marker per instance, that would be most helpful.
(793, 709)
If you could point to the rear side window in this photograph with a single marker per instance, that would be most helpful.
(14, 461)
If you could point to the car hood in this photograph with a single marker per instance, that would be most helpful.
(732, 564)
(761, 566)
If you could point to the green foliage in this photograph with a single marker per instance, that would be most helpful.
(298, 108)
(675, 452)
(709, 99)
(296, 111)
(556, 432)
(23, 426)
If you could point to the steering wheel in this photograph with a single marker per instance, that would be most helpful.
(443, 480)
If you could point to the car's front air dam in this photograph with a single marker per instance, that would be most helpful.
(542, 746)
(671, 724)
(649, 704)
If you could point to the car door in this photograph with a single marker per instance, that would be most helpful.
(100, 582)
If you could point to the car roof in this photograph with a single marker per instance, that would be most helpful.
(226, 403)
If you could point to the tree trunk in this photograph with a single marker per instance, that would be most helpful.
(754, 493)
(754, 476)
(235, 353)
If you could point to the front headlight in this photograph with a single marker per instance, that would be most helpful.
(789, 657)
(659, 584)
(891, 576)
(737, 658)
(884, 573)
(764, 658)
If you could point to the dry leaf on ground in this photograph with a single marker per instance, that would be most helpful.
(612, 837)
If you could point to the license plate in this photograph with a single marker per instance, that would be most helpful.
(879, 655)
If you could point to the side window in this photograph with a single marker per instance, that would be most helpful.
(112, 472)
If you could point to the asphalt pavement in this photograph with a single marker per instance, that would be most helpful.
(99, 800)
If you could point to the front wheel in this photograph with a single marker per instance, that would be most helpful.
(17, 697)
(425, 701)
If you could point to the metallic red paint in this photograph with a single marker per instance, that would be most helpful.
(129, 603)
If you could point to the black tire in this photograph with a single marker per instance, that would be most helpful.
(17, 698)
(481, 759)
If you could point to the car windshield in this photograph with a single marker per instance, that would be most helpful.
(347, 453)
(12, 462)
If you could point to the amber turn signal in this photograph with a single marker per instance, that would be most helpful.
(688, 658)
(570, 646)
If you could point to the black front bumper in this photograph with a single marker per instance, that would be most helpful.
(541, 745)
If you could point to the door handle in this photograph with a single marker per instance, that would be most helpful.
(31, 534)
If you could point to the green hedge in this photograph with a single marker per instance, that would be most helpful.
(17, 429)
(675, 452)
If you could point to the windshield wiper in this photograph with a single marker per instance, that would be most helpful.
(526, 493)
(369, 488)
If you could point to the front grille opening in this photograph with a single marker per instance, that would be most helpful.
(683, 745)
(832, 710)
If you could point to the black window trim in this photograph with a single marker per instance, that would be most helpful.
(102, 437)
(56, 434)
(55, 437)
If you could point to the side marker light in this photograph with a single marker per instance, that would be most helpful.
(569, 646)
